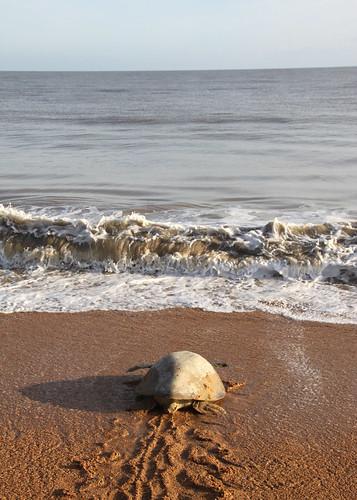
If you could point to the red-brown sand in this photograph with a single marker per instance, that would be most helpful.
(71, 427)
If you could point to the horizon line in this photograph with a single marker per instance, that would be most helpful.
(169, 70)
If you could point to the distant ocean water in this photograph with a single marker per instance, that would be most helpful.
(226, 190)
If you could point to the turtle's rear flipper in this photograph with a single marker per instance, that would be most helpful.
(143, 403)
(139, 367)
(232, 385)
(208, 407)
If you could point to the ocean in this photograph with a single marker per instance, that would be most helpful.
(221, 190)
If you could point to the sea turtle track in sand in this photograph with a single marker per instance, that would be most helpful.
(173, 458)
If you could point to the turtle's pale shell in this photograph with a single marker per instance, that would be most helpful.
(182, 375)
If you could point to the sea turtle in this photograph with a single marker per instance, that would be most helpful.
(182, 379)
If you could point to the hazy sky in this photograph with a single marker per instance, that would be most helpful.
(176, 34)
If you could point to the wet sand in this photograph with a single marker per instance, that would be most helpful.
(71, 427)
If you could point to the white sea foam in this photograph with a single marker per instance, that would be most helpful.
(66, 291)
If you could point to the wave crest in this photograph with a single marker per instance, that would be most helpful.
(132, 242)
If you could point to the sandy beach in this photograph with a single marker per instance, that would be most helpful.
(71, 426)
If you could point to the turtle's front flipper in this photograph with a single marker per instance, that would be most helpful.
(208, 407)
(219, 364)
(139, 367)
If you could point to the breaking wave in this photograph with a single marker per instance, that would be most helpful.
(134, 243)
(261, 261)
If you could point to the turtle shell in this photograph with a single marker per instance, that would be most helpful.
(182, 375)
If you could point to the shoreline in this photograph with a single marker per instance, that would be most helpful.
(72, 426)
(163, 310)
